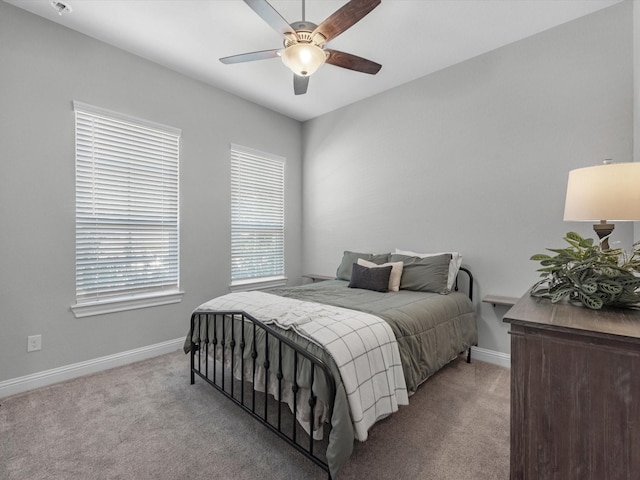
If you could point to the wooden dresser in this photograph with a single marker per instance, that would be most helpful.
(575, 392)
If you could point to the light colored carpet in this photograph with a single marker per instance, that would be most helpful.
(144, 421)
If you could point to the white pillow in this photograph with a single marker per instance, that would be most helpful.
(396, 272)
(454, 265)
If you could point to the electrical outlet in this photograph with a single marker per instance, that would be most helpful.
(34, 343)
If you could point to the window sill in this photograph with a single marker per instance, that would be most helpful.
(257, 284)
(88, 309)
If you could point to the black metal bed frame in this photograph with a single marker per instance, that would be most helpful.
(469, 285)
(222, 324)
(470, 293)
(220, 332)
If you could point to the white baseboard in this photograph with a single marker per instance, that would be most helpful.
(491, 356)
(48, 377)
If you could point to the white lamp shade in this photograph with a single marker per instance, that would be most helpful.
(604, 192)
(303, 58)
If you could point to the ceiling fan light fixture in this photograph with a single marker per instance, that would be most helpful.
(303, 58)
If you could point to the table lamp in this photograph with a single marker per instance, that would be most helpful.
(608, 192)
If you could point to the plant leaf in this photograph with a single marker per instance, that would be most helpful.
(589, 287)
(586, 242)
(610, 286)
(630, 282)
(574, 236)
(591, 301)
(610, 272)
(573, 239)
(560, 294)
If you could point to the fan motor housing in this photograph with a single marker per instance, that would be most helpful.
(304, 34)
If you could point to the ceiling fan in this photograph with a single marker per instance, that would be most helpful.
(304, 42)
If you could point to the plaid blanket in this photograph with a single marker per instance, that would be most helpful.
(362, 345)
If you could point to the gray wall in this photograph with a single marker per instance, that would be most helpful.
(44, 67)
(474, 158)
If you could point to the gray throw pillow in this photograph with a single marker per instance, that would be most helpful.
(349, 258)
(375, 278)
(427, 274)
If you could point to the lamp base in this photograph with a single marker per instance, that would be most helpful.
(603, 230)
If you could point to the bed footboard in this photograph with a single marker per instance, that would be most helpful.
(256, 366)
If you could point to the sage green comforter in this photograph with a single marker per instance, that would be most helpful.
(431, 329)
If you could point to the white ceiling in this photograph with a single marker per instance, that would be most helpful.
(410, 38)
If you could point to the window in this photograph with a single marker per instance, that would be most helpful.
(257, 219)
(127, 241)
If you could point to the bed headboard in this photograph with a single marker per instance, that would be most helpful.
(466, 283)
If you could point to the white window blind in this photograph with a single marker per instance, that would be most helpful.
(257, 215)
(127, 241)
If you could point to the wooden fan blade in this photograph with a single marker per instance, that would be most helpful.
(352, 62)
(300, 84)
(345, 17)
(271, 16)
(250, 57)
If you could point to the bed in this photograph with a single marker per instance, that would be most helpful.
(319, 364)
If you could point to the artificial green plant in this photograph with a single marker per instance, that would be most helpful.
(585, 273)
